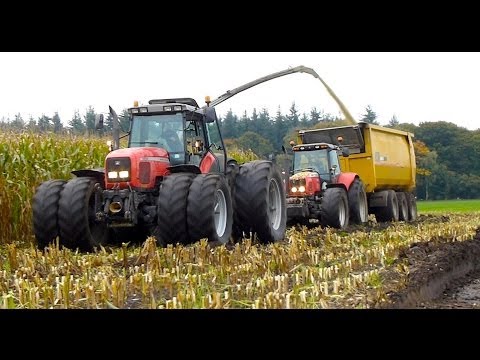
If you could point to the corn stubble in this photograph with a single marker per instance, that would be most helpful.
(318, 268)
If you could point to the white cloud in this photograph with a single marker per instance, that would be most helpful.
(417, 87)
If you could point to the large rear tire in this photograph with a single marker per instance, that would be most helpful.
(402, 206)
(77, 220)
(172, 225)
(45, 212)
(412, 206)
(334, 211)
(260, 203)
(209, 209)
(389, 212)
(358, 205)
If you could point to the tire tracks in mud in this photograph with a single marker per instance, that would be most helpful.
(440, 268)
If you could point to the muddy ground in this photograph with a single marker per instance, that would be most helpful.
(443, 275)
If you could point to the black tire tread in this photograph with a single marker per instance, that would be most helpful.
(45, 212)
(402, 206)
(357, 195)
(332, 199)
(172, 209)
(387, 213)
(73, 215)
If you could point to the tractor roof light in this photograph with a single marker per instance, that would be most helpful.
(135, 103)
(135, 111)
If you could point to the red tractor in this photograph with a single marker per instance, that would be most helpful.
(317, 189)
(174, 181)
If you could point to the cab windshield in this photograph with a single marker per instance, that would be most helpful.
(315, 160)
(163, 131)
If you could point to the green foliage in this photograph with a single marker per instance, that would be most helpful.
(251, 141)
(449, 169)
(57, 123)
(26, 160)
(393, 123)
(77, 124)
(370, 116)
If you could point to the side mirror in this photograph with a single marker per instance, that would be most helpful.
(98, 121)
(210, 114)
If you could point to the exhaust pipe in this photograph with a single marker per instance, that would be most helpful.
(115, 207)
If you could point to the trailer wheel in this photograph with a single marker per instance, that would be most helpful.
(45, 212)
(79, 227)
(172, 225)
(357, 201)
(412, 206)
(402, 206)
(260, 202)
(389, 212)
(334, 211)
(209, 209)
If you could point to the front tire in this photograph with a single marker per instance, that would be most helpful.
(172, 225)
(77, 221)
(334, 211)
(45, 212)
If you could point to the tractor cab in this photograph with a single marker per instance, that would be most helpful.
(314, 166)
(319, 158)
(177, 125)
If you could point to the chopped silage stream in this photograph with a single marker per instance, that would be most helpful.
(374, 266)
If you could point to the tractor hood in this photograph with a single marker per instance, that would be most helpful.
(304, 183)
(135, 167)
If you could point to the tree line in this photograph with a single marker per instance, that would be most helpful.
(446, 154)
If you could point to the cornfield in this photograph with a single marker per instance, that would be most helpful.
(311, 268)
(28, 159)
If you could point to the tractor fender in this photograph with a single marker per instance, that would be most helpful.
(209, 164)
(98, 174)
(346, 179)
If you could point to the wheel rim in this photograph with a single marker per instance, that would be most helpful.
(220, 212)
(363, 208)
(342, 215)
(274, 204)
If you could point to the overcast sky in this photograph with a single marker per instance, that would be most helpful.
(416, 87)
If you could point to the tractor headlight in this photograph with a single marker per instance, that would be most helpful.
(294, 189)
(118, 169)
(301, 188)
(113, 174)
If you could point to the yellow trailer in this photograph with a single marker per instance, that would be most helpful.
(383, 158)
